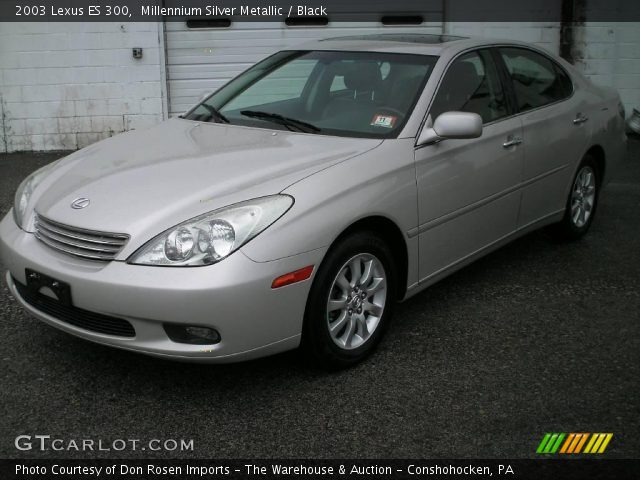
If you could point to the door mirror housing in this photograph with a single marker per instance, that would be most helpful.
(452, 125)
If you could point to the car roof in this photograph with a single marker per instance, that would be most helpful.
(416, 43)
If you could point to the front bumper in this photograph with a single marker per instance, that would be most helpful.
(234, 297)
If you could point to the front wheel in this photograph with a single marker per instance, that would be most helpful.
(351, 301)
(582, 202)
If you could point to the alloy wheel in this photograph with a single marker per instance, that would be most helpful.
(583, 196)
(356, 301)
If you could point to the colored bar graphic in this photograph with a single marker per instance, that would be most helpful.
(576, 439)
(543, 443)
(550, 443)
(591, 442)
(567, 443)
(555, 447)
(572, 443)
(599, 440)
(581, 443)
(605, 442)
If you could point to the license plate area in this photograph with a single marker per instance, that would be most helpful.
(36, 281)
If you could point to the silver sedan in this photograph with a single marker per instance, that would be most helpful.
(299, 202)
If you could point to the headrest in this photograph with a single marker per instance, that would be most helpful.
(464, 73)
(404, 90)
(464, 68)
(363, 77)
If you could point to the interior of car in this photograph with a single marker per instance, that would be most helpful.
(352, 94)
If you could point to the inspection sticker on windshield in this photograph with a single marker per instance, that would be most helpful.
(387, 121)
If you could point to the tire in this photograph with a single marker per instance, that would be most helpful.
(582, 202)
(357, 301)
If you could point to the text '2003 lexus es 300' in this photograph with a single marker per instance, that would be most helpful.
(299, 202)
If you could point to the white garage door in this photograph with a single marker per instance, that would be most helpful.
(200, 60)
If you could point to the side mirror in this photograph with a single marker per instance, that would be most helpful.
(452, 125)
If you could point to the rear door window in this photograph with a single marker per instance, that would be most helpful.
(537, 80)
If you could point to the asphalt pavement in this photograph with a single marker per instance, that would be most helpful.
(537, 337)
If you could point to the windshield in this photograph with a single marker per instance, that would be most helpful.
(353, 94)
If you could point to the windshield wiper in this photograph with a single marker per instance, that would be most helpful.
(215, 113)
(282, 120)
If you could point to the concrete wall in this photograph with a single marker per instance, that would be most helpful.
(542, 34)
(609, 54)
(67, 85)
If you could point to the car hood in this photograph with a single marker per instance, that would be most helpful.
(143, 182)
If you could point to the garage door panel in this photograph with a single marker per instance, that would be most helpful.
(209, 53)
(202, 45)
(196, 87)
(240, 57)
(186, 95)
(192, 72)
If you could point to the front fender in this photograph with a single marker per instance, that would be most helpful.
(380, 182)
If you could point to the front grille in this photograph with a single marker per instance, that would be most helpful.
(78, 317)
(78, 241)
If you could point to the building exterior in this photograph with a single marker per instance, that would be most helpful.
(64, 86)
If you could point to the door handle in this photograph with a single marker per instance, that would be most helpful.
(580, 119)
(512, 142)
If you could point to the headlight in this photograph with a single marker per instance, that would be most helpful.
(213, 236)
(26, 188)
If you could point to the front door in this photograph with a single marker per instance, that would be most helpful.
(468, 196)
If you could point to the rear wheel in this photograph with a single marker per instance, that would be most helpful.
(582, 202)
(351, 301)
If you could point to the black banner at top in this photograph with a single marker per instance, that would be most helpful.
(321, 12)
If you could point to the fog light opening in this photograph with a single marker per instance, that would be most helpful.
(191, 334)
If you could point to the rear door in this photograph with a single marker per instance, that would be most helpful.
(556, 130)
(468, 195)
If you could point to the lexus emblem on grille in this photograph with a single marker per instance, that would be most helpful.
(79, 203)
